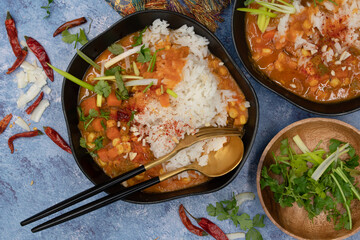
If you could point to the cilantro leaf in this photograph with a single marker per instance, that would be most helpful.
(83, 142)
(334, 144)
(47, 8)
(82, 39)
(116, 49)
(138, 39)
(144, 55)
(258, 221)
(253, 234)
(121, 92)
(102, 88)
(131, 117)
(67, 37)
(112, 71)
(211, 210)
(245, 221)
(98, 143)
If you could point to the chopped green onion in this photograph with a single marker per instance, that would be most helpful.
(263, 20)
(72, 78)
(98, 100)
(257, 11)
(172, 93)
(113, 77)
(162, 89)
(136, 70)
(88, 60)
(147, 87)
(283, 8)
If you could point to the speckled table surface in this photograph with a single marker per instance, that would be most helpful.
(54, 172)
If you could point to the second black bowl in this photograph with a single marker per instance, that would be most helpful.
(243, 50)
(96, 46)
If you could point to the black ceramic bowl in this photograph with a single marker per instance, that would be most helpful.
(242, 48)
(96, 46)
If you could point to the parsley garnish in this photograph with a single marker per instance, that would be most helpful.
(116, 49)
(121, 91)
(334, 187)
(47, 8)
(227, 209)
(144, 55)
(138, 39)
(102, 88)
(80, 37)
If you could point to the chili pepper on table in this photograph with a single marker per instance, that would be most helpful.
(69, 24)
(57, 139)
(12, 35)
(19, 60)
(187, 223)
(31, 108)
(210, 227)
(5, 122)
(22, 135)
(41, 55)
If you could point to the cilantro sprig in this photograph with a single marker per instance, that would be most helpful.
(144, 55)
(138, 39)
(116, 49)
(334, 187)
(102, 88)
(228, 209)
(91, 117)
(80, 37)
(47, 8)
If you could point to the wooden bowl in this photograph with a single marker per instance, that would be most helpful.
(294, 221)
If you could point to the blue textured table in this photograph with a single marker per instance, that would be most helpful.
(54, 172)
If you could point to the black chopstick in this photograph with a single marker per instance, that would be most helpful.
(95, 204)
(83, 195)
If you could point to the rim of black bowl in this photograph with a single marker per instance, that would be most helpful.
(244, 54)
(254, 110)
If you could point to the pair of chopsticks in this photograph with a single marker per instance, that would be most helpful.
(202, 134)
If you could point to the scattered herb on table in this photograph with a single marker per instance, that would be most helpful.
(80, 37)
(69, 24)
(116, 49)
(47, 8)
(228, 209)
(138, 39)
(144, 55)
(316, 180)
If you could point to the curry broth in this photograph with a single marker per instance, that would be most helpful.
(118, 141)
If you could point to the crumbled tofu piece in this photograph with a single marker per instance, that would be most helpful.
(332, 73)
(132, 155)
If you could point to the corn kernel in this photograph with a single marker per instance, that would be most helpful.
(101, 163)
(222, 70)
(120, 148)
(185, 180)
(167, 47)
(313, 83)
(242, 119)
(158, 91)
(127, 147)
(346, 81)
(116, 141)
(125, 138)
(334, 82)
(233, 113)
(90, 145)
(266, 51)
(110, 123)
(306, 25)
(91, 137)
(242, 107)
(305, 53)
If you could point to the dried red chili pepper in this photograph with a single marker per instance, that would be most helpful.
(31, 108)
(69, 24)
(41, 55)
(187, 223)
(57, 139)
(12, 35)
(210, 227)
(22, 135)
(5, 122)
(19, 60)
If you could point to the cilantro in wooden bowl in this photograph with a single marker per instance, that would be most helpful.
(307, 179)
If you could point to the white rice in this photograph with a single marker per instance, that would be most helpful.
(200, 102)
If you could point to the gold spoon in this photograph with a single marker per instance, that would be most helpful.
(219, 163)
